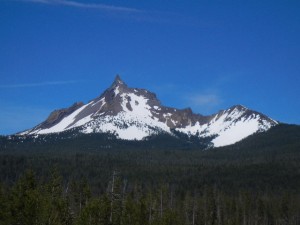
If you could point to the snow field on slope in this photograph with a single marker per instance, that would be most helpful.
(230, 127)
(138, 121)
(64, 123)
(236, 132)
(126, 126)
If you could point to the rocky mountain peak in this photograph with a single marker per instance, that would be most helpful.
(238, 107)
(118, 82)
(134, 113)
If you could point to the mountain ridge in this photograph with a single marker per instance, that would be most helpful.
(135, 113)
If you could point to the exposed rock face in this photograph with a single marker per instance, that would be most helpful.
(57, 115)
(133, 113)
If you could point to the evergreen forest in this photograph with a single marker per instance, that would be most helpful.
(97, 179)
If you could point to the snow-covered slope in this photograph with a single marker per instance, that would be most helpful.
(132, 113)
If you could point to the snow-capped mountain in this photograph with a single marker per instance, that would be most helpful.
(132, 113)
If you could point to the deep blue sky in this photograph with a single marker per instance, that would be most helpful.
(207, 55)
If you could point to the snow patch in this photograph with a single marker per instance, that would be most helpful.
(237, 132)
(62, 125)
(117, 91)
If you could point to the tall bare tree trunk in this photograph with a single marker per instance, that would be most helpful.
(150, 209)
(194, 209)
(112, 194)
(161, 203)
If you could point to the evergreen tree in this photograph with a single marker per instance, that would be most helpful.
(26, 201)
(4, 207)
(211, 207)
(58, 210)
(91, 214)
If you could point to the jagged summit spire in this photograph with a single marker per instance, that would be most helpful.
(118, 82)
(118, 85)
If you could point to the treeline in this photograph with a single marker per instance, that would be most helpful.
(75, 140)
(49, 200)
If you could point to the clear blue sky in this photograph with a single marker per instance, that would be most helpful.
(207, 55)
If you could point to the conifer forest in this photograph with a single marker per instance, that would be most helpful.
(84, 181)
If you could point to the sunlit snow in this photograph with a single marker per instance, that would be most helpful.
(62, 125)
(138, 120)
(236, 132)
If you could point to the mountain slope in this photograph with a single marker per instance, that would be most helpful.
(133, 114)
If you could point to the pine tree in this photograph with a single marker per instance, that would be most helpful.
(4, 207)
(26, 199)
(58, 210)
(91, 214)
(211, 207)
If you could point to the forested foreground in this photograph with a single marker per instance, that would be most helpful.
(51, 201)
(98, 180)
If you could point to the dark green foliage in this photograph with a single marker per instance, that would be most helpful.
(96, 179)
(25, 201)
(30, 201)
(57, 207)
(4, 206)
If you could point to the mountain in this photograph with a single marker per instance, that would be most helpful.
(135, 114)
